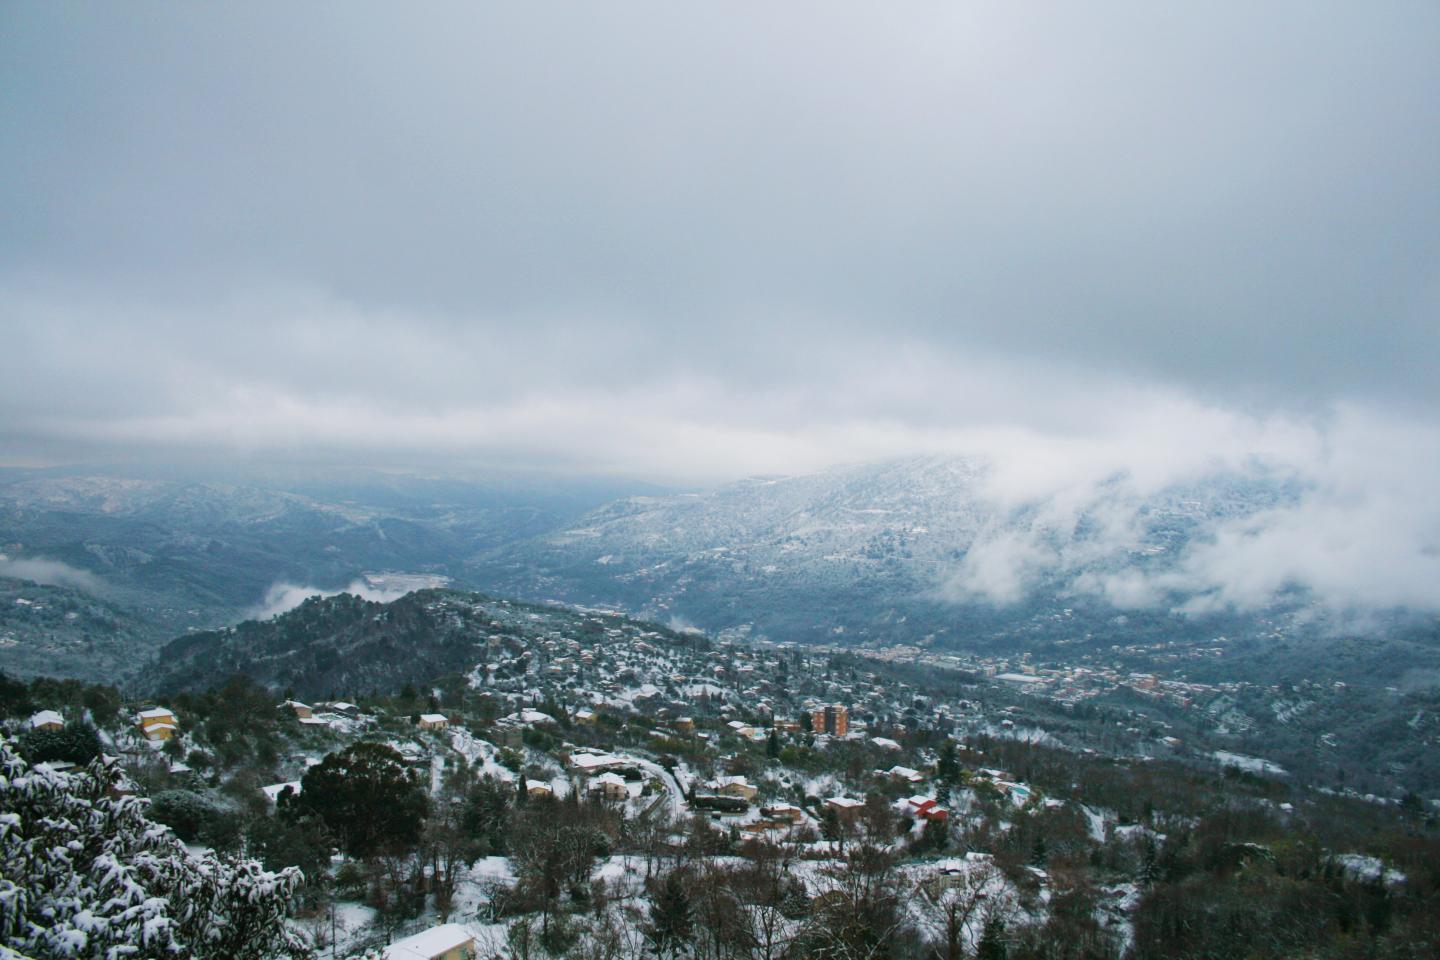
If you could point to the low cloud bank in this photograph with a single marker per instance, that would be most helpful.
(283, 597)
(1343, 512)
(55, 573)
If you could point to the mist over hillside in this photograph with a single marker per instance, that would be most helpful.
(917, 550)
(169, 555)
(936, 550)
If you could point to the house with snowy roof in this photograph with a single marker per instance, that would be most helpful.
(737, 787)
(449, 941)
(923, 808)
(592, 763)
(47, 720)
(787, 812)
(274, 791)
(157, 724)
(610, 786)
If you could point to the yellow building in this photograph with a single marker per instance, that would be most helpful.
(157, 723)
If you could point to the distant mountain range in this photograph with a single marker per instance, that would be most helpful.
(920, 550)
(916, 550)
(166, 556)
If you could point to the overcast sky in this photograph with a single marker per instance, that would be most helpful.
(689, 242)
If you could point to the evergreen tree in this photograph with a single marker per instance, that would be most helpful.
(935, 835)
(84, 874)
(772, 746)
(1039, 852)
(366, 797)
(672, 918)
(77, 744)
(947, 769)
(1149, 862)
(992, 942)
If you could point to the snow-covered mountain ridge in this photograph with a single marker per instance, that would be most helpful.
(865, 549)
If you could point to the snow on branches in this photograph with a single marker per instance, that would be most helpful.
(83, 874)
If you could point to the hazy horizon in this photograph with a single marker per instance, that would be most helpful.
(687, 246)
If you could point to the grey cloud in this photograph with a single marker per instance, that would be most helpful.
(1361, 532)
(282, 596)
(1085, 240)
(1230, 196)
(55, 573)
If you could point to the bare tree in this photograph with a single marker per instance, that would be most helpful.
(961, 904)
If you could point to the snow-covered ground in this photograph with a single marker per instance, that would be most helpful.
(1249, 764)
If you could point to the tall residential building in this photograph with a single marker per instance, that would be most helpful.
(833, 719)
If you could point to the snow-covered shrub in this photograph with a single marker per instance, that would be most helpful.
(84, 874)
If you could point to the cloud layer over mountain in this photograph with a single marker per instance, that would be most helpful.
(694, 244)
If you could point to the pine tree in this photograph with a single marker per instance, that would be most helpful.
(947, 769)
(992, 942)
(772, 746)
(936, 835)
(1039, 852)
(672, 919)
(1149, 862)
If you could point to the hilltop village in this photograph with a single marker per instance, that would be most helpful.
(590, 785)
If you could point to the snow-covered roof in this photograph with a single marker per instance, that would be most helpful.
(609, 778)
(156, 713)
(594, 761)
(293, 705)
(434, 718)
(429, 944)
(885, 742)
(846, 802)
(538, 785)
(272, 792)
(46, 716)
(55, 766)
